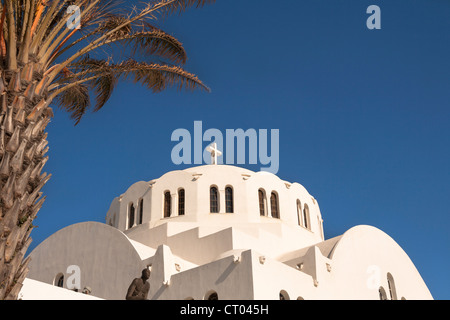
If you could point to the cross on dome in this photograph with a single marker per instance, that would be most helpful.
(212, 148)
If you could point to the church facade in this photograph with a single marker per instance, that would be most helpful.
(225, 232)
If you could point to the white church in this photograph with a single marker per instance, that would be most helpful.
(220, 232)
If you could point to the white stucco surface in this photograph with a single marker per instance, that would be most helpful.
(244, 254)
(37, 290)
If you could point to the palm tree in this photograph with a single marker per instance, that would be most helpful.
(46, 50)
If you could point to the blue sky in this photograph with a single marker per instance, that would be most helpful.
(363, 117)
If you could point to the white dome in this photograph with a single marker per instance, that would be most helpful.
(217, 196)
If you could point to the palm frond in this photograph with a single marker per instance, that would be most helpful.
(168, 7)
(101, 26)
(75, 100)
(158, 43)
(102, 85)
(102, 77)
(148, 74)
(148, 43)
(112, 22)
(161, 7)
(158, 77)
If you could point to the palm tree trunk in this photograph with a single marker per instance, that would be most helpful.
(31, 37)
(23, 117)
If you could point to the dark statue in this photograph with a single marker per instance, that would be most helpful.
(139, 287)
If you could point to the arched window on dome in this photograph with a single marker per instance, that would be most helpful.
(262, 202)
(167, 204)
(284, 295)
(214, 200)
(59, 280)
(299, 212)
(274, 207)
(181, 202)
(306, 223)
(130, 215)
(141, 211)
(229, 205)
(211, 295)
(391, 284)
(382, 293)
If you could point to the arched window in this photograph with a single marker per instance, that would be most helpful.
(167, 204)
(181, 202)
(130, 216)
(59, 280)
(382, 293)
(306, 217)
(211, 295)
(214, 200)
(274, 205)
(284, 295)
(229, 200)
(141, 210)
(299, 212)
(391, 284)
(262, 202)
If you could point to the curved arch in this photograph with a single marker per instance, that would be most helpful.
(214, 199)
(59, 280)
(181, 201)
(284, 295)
(362, 246)
(167, 204)
(274, 205)
(306, 217)
(131, 215)
(141, 211)
(139, 187)
(262, 202)
(211, 295)
(299, 213)
(229, 199)
(391, 285)
(382, 293)
(104, 242)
